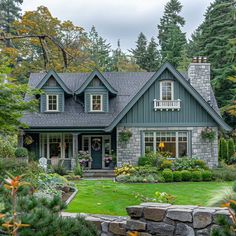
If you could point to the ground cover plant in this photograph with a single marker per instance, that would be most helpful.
(109, 197)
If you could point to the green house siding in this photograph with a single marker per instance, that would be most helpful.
(52, 90)
(190, 114)
(101, 90)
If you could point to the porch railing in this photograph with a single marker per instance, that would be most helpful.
(166, 104)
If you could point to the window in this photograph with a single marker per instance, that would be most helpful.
(96, 103)
(52, 102)
(175, 142)
(166, 90)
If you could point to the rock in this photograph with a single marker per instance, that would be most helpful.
(159, 228)
(105, 226)
(203, 232)
(220, 213)
(135, 211)
(144, 234)
(155, 204)
(116, 228)
(154, 213)
(135, 225)
(184, 230)
(202, 218)
(183, 215)
(95, 221)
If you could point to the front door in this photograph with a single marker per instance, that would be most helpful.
(96, 152)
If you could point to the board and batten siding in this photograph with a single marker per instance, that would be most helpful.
(190, 114)
(51, 91)
(101, 90)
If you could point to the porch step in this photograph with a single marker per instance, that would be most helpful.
(99, 174)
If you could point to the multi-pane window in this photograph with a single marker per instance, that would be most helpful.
(174, 142)
(96, 102)
(166, 90)
(52, 102)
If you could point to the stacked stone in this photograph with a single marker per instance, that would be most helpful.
(166, 220)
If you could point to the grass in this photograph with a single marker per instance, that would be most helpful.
(111, 198)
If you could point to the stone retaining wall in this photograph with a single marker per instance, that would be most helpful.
(161, 219)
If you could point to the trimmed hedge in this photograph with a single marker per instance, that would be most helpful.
(177, 176)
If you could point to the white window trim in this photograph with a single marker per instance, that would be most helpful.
(172, 89)
(91, 102)
(47, 104)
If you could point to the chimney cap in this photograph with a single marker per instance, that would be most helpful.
(199, 59)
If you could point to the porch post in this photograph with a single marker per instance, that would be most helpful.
(21, 138)
(75, 149)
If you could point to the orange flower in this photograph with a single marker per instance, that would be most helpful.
(133, 233)
(1, 215)
(8, 225)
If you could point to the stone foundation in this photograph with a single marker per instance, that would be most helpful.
(159, 219)
(130, 152)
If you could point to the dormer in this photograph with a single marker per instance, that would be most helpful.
(96, 92)
(54, 90)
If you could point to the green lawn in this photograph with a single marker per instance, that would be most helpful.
(111, 198)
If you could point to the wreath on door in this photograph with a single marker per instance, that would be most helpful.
(96, 145)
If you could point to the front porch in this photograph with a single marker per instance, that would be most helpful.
(61, 148)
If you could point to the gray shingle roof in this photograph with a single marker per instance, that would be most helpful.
(127, 84)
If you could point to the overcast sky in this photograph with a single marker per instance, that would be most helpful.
(120, 19)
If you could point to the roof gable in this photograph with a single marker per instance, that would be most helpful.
(53, 74)
(216, 117)
(97, 74)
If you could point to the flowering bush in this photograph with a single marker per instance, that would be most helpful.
(208, 133)
(126, 169)
(84, 158)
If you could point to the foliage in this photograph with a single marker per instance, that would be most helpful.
(7, 150)
(78, 170)
(196, 176)
(186, 175)
(160, 197)
(177, 176)
(21, 152)
(223, 149)
(13, 104)
(231, 149)
(126, 169)
(188, 163)
(207, 175)
(171, 39)
(83, 158)
(151, 159)
(168, 175)
(208, 134)
(224, 174)
(166, 164)
(59, 169)
(125, 135)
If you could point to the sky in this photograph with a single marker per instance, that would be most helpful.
(121, 19)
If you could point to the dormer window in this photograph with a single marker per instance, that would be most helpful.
(167, 91)
(96, 103)
(52, 102)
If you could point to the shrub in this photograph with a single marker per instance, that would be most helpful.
(166, 164)
(196, 176)
(168, 175)
(224, 150)
(78, 170)
(189, 163)
(21, 152)
(59, 169)
(126, 169)
(186, 175)
(206, 175)
(224, 174)
(143, 161)
(200, 164)
(6, 149)
(177, 176)
(151, 159)
(230, 148)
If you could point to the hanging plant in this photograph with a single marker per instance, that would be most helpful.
(208, 134)
(28, 140)
(125, 135)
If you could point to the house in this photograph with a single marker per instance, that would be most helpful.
(165, 110)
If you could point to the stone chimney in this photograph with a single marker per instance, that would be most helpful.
(199, 74)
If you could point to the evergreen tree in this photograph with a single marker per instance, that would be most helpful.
(99, 50)
(214, 40)
(171, 39)
(153, 56)
(9, 12)
(140, 52)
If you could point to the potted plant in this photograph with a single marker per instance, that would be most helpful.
(125, 135)
(84, 159)
(108, 161)
(21, 154)
(208, 134)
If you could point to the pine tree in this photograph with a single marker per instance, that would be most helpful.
(153, 56)
(171, 39)
(99, 50)
(9, 12)
(140, 52)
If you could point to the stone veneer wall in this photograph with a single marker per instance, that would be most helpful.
(159, 219)
(130, 152)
